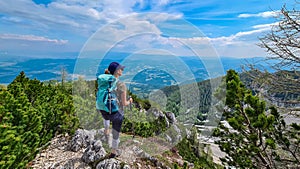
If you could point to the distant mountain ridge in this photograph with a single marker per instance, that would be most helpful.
(51, 68)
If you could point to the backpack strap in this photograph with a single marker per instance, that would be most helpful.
(111, 80)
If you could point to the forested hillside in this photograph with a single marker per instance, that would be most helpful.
(31, 113)
(280, 88)
(273, 94)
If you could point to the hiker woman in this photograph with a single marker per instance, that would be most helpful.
(117, 117)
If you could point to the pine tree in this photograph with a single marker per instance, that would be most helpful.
(257, 136)
(8, 133)
(20, 135)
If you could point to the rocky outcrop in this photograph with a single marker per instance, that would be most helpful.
(87, 149)
(59, 155)
(173, 134)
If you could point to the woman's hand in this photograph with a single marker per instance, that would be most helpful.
(129, 101)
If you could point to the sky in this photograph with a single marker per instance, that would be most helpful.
(66, 28)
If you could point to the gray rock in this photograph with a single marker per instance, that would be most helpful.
(156, 112)
(178, 137)
(126, 166)
(75, 163)
(168, 138)
(171, 117)
(109, 164)
(94, 152)
(82, 139)
(173, 134)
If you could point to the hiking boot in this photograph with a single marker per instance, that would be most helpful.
(112, 155)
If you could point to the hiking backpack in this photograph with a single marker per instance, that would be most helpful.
(106, 98)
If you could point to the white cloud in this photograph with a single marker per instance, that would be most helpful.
(160, 17)
(257, 30)
(163, 2)
(32, 38)
(241, 44)
(125, 34)
(80, 17)
(128, 35)
(265, 26)
(73, 12)
(267, 14)
(94, 13)
(248, 33)
(73, 16)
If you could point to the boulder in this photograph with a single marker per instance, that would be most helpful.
(94, 152)
(82, 139)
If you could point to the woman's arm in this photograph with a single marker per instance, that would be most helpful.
(123, 94)
(125, 102)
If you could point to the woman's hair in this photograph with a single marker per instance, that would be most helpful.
(107, 71)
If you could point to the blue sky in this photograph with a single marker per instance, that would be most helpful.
(63, 28)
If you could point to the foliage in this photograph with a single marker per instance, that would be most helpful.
(143, 123)
(140, 103)
(31, 113)
(257, 136)
(84, 102)
(193, 151)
